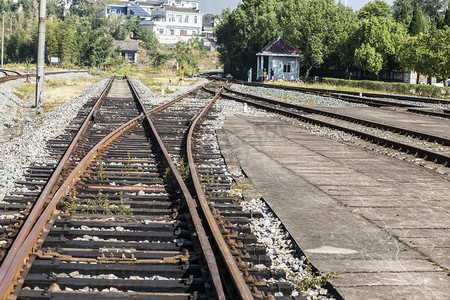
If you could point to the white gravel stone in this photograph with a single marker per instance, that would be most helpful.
(28, 148)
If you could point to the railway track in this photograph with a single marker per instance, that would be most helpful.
(7, 72)
(148, 232)
(408, 103)
(433, 148)
(13, 75)
(213, 187)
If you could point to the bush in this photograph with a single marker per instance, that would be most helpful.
(393, 87)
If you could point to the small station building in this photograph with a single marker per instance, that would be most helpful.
(128, 49)
(279, 60)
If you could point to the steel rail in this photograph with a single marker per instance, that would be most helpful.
(28, 245)
(165, 105)
(443, 114)
(395, 129)
(233, 270)
(48, 189)
(408, 149)
(5, 71)
(329, 92)
(192, 207)
(21, 256)
(14, 77)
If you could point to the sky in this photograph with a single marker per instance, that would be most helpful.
(216, 6)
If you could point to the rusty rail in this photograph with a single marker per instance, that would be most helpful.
(337, 93)
(47, 191)
(14, 77)
(196, 220)
(166, 105)
(233, 270)
(29, 241)
(395, 129)
(408, 149)
(22, 255)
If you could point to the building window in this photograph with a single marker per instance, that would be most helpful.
(186, 19)
(195, 19)
(171, 18)
(179, 18)
(161, 31)
(183, 32)
(287, 68)
(172, 32)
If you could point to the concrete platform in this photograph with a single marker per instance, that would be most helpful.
(430, 125)
(384, 223)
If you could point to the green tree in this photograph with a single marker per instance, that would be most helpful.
(67, 45)
(100, 47)
(430, 8)
(52, 38)
(377, 38)
(317, 28)
(189, 53)
(244, 31)
(417, 25)
(409, 57)
(447, 17)
(3, 6)
(368, 58)
(340, 55)
(133, 26)
(18, 46)
(26, 6)
(377, 8)
(433, 54)
(438, 22)
(149, 38)
(116, 26)
(403, 14)
(81, 8)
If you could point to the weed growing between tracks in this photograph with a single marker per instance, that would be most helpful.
(237, 189)
(183, 169)
(209, 180)
(100, 172)
(128, 167)
(99, 205)
(317, 281)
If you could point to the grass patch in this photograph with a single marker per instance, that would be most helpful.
(19, 95)
(56, 91)
(25, 90)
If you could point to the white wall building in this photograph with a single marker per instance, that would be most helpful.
(279, 60)
(172, 24)
(172, 21)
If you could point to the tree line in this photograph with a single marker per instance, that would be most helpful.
(82, 35)
(412, 35)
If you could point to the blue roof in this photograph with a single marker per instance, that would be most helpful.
(138, 11)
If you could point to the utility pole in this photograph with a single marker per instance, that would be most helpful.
(3, 34)
(41, 53)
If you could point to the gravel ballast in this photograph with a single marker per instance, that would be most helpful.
(268, 229)
(28, 146)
